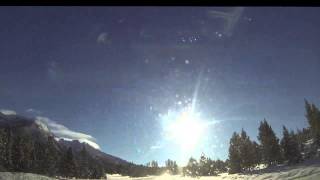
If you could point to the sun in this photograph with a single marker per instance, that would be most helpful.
(186, 129)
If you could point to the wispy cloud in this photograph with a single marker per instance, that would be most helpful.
(103, 38)
(54, 71)
(231, 18)
(63, 132)
(154, 147)
(34, 111)
(8, 112)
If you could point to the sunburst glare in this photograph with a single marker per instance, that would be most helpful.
(185, 128)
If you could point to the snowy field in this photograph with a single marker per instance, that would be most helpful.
(309, 173)
(301, 172)
(22, 176)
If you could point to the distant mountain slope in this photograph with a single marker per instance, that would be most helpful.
(27, 145)
(95, 153)
(31, 126)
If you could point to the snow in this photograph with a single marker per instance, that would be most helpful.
(305, 171)
(309, 142)
(42, 125)
(22, 176)
(7, 112)
(310, 172)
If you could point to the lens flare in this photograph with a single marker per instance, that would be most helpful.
(185, 128)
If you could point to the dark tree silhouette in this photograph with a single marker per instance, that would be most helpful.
(234, 154)
(68, 165)
(313, 117)
(270, 147)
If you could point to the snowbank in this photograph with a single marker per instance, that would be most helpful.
(22, 176)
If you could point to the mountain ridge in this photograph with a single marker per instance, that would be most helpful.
(17, 121)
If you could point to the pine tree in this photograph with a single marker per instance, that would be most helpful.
(3, 149)
(154, 164)
(270, 147)
(313, 117)
(245, 151)
(84, 170)
(285, 143)
(39, 158)
(21, 153)
(296, 153)
(175, 168)
(220, 166)
(234, 154)
(97, 172)
(302, 137)
(192, 168)
(51, 157)
(27, 146)
(290, 147)
(204, 165)
(171, 166)
(68, 166)
(153, 167)
(256, 153)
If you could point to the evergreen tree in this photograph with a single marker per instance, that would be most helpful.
(290, 147)
(39, 157)
(21, 153)
(51, 157)
(97, 172)
(175, 169)
(270, 147)
(4, 141)
(234, 154)
(256, 153)
(83, 164)
(220, 166)
(296, 153)
(204, 165)
(285, 144)
(302, 137)
(153, 167)
(8, 155)
(154, 164)
(245, 151)
(313, 117)
(68, 166)
(192, 168)
(171, 166)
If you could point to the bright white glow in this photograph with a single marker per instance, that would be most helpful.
(185, 128)
(164, 176)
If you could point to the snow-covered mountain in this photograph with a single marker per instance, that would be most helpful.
(77, 146)
(39, 131)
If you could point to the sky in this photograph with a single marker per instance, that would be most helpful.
(152, 83)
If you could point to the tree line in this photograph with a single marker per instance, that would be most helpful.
(245, 154)
(22, 153)
(204, 167)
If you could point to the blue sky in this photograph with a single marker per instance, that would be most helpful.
(111, 72)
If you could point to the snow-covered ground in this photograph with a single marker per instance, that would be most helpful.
(22, 176)
(305, 171)
(302, 172)
(309, 173)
